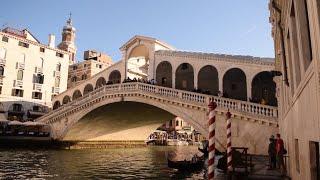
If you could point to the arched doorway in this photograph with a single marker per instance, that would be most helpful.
(77, 94)
(164, 74)
(185, 77)
(100, 82)
(264, 89)
(56, 105)
(208, 80)
(115, 77)
(88, 88)
(66, 100)
(235, 84)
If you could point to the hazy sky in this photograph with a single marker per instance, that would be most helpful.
(219, 26)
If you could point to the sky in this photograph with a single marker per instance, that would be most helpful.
(238, 27)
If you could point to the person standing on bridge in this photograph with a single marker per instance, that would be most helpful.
(272, 153)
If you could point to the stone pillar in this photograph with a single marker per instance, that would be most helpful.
(195, 80)
(173, 78)
(220, 82)
(249, 87)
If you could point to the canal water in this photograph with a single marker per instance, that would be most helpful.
(113, 163)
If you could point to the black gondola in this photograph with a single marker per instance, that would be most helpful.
(195, 164)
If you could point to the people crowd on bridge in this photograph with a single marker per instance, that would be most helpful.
(276, 153)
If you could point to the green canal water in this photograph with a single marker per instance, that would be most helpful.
(123, 163)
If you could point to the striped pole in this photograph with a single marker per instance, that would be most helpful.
(229, 150)
(212, 128)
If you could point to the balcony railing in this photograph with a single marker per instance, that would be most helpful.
(37, 87)
(18, 83)
(55, 90)
(39, 70)
(20, 65)
(2, 62)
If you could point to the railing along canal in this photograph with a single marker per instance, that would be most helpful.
(180, 95)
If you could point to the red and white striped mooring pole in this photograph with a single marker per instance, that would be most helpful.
(212, 130)
(229, 150)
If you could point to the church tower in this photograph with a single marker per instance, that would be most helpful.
(68, 40)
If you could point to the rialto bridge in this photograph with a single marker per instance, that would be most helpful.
(185, 83)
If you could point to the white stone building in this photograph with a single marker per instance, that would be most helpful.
(296, 34)
(31, 73)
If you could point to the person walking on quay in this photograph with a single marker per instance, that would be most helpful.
(272, 153)
(280, 152)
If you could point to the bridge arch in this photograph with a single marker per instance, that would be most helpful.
(164, 74)
(235, 84)
(76, 94)
(66, 99)
(208, 79)
(88, 88)
(101, 81)
(185, 77)
(56, 105)
(264, 89)
(115, 77)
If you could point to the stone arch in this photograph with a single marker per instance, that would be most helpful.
(185, 77)
(164, 74)
(235, 84)
(56, 105)
(76, 94)
(66, 99)
(208, 80)
(100, 82)
(87, 89)
(138, 62)
(263, 89)
(139, 51)
(115, 77)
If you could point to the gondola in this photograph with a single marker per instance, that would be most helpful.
(195, 164)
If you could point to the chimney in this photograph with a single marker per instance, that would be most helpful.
(52, 40)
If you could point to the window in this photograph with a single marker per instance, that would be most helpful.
(58, 67)
(42, 62)
(0, 89)
(177, 123)
(17, 107)
(2, 53)
(84, 76)
(5, 39)
(42, 49)
(296, 149)
(1, 70)
(138, 60)
(39, 78)
(74, 79)
(36, 95)
(100, 66)
(57, 82)
(74, 67)
(59, 54)
(17, 92)
(85, 65)
(20, 75)
(23, 44)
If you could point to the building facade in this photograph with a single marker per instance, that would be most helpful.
(31, 73)
(296, 34)
(93, 63)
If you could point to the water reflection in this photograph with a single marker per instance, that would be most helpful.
(126, 163)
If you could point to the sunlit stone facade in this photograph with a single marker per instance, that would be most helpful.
(296, 34)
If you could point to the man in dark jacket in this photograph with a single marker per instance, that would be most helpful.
(272, 153)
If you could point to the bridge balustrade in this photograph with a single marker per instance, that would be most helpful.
(180, 95)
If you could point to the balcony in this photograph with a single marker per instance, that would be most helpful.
(20, 65)
(2, 62)
(57, 73)
(18, 83)
(39, 70)
(37, 87)
(55, 90)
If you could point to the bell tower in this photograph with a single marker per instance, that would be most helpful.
(68, 40)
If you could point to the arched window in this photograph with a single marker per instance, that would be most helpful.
(66, 100)
(88, 88)
(20, 75)
(100, 82)
(264, 89)
(208, 80)
(164, 74)
(74, 79)
(3, 53)
(115, 77)
(235, 84)
(1, 70)
(42, 62)
(56, 105)
(185, 77)
(77, 94)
